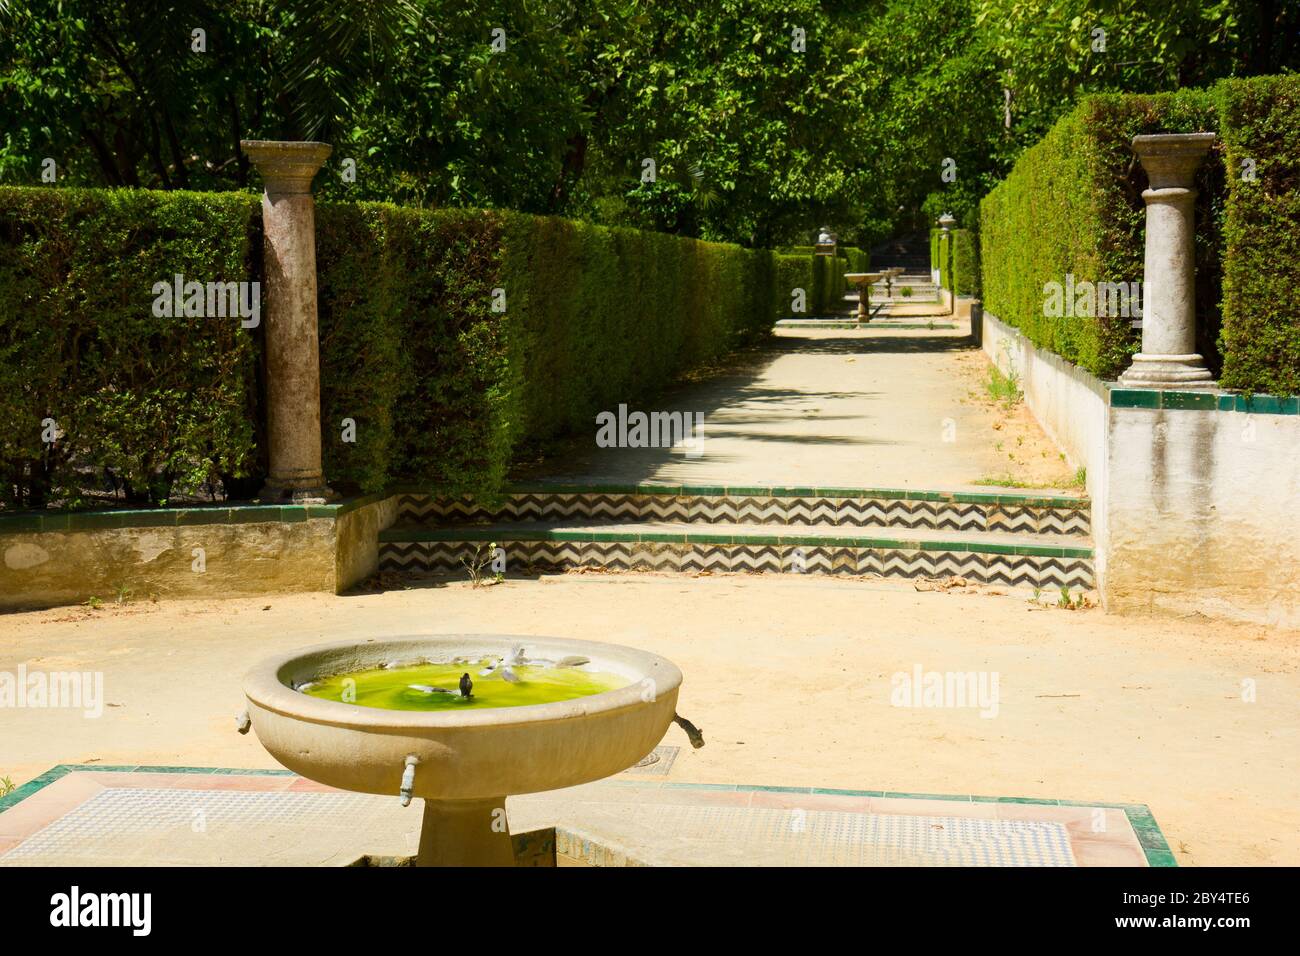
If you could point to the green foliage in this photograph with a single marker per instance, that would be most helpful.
(1073, 205)
(821, 278)
(600, 316)
(941, 258)
(1261, 262)
(146, 402)
(965, 263)
(756, 141)
(441, 388)
(1004, 389)
(410, 349)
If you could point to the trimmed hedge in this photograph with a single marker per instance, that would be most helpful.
(140, 402)
(965, 263)
(1261, 262)
(821, 278)
(442, 390)
(957, 260)
(410, 349)
(601, 316)
(1073, 205)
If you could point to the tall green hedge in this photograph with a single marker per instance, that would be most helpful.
(1073, 205)
(139, 402)
(1261, 262)
(821, 278)
(436, 384)
(600, 316)
(411, 351)
(965, 278)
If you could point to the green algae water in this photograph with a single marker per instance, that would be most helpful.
(390, 688)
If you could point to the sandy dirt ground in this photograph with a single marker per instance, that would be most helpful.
(790, 678)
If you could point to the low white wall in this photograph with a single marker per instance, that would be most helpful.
(1203, 514)
(1192, 510)
(1069, 403)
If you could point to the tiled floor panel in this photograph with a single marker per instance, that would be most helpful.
(190, 816)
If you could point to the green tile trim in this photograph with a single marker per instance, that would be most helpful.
(874, 324)
(194, 516)
(903, 795)
(1140, 818)
(755, 491)
(58, 771)
(1209, 401)
(499, 533)
(1134, 398)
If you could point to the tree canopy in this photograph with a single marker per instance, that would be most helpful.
(764, 119)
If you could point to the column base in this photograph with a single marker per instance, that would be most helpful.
(1168, 372)
(281, 492)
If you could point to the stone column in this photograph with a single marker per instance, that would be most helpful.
(946, 222)
(292, 342)
(1168, 358)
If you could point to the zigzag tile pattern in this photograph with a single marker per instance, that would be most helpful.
(850, 512)
(1022, 571)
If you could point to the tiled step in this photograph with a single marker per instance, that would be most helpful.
(898, 510)
(539, 547)
(876, 323)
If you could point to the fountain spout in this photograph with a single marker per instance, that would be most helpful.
(692, 732)
(408, 779)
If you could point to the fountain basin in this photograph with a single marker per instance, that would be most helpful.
(467, 759)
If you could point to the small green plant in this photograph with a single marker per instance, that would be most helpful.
(123, 593)
(481, 558)
(1081, 477)
(906, 292)
(1004, 389)
(93, 603)
(6, 786)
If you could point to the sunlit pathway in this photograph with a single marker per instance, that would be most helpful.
(873, 408)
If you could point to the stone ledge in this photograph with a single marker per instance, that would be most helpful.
(108, 518)
(1206, 400)
(69, 558)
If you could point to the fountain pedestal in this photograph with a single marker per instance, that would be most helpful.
(864, 280)
(465, 833)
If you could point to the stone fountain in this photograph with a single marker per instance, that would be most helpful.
(464, 761)
(864, 281)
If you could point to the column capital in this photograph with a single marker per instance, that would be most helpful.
(1170, 159)
(286, 166)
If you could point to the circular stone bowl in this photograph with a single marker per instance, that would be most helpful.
(468, 760)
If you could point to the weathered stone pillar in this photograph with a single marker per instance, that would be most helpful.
(946, 222)
(1168, 358)
(292, 342)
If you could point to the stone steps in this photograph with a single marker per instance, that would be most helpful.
(883, 320)
(1011, 540)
